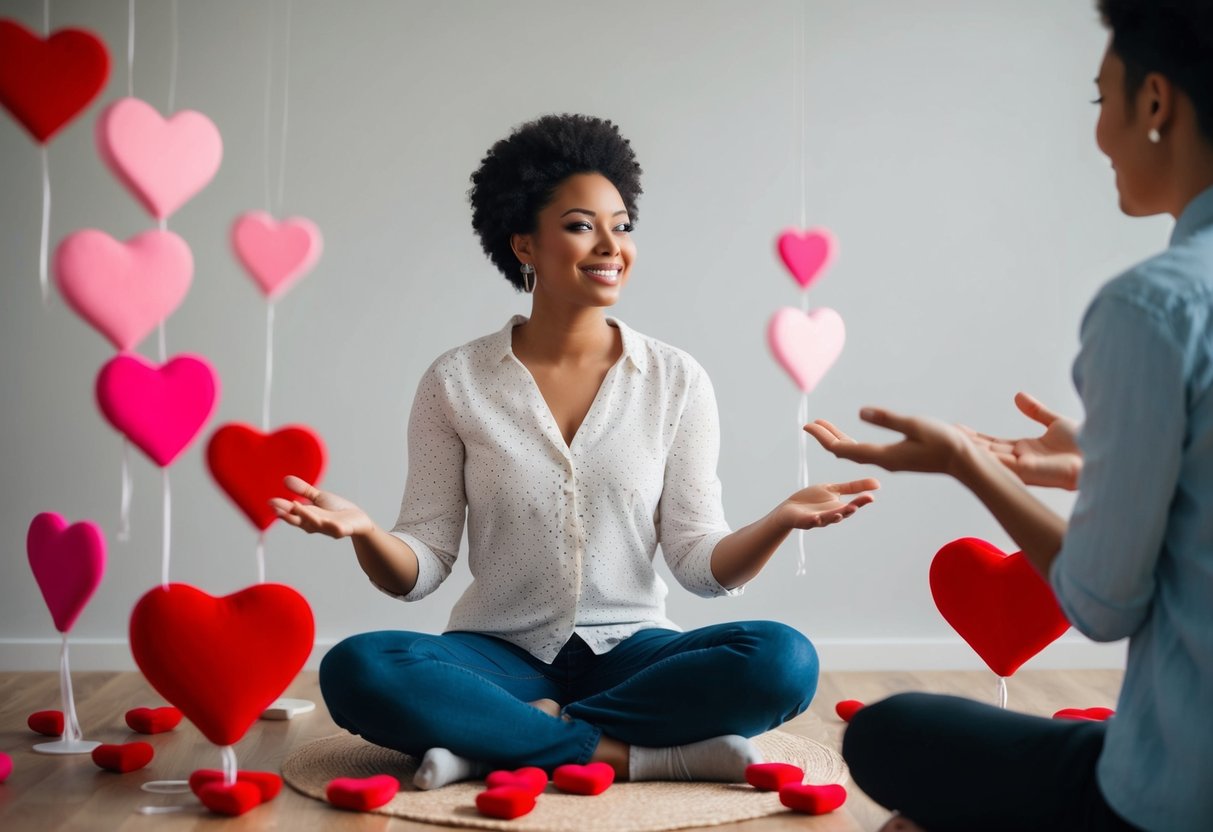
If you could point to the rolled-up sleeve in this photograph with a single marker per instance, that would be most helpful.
(1130, 376)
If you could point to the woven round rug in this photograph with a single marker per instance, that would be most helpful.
(624, 807)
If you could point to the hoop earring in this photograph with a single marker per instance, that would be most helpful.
(1154, 136)
(528, 277)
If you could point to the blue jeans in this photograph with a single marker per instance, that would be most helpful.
(468, 692)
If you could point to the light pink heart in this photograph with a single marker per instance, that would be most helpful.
(162, 162)
(160, 409)
(275, 254)
(806, 345)
(806, 254)
(123, 289)
(68, 564)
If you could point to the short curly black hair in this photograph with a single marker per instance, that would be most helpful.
(521, 172)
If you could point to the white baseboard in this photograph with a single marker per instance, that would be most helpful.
(1070, 652)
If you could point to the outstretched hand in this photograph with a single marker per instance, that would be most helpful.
(1051, 459)
(823, 505)
(327, 514)
(929, 445)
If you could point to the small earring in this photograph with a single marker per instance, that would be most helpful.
(528, 277)
(1154, 136)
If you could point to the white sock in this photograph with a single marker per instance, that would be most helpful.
(722, 759)
(440, 767)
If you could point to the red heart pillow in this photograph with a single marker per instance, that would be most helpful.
(236, 799)
(505, 802)
(362, 794)
(153, 720)
(129, 756)
(1088, 714)
(530, 778)
(812, 800)
(221, 660)
(250, 465)
(847, 708)
(47, 723)
(267, 782)
(997, 602)
(771, 777)
(592, 778)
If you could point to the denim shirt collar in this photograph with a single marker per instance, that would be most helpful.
(1197, 215)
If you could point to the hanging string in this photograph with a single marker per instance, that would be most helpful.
(1002, 692)
(286, 87)
(71, 725)
(46, 228)
(802, 472)
(798, 113)
(130, 51)
(269, 365)
(46, 17)
(261, 558)
(801, 107)
(124, 509)
(265, 110)
(168, 517)
(172, 75)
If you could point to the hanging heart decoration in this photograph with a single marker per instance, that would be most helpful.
(806, 345)
(250, 465)
(275, 254)
(806, 254)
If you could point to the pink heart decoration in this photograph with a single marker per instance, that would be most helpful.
(68, 564)
(162, 162)
(806, 345)
(160, 409)
(275, 254)
(6, 766)
(806, 254)
(123, 289)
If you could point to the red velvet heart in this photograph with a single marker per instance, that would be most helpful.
(47, 723)
(153, 720)
(592, 778)
(129, 756)
(45, 83)
(847, 708)
(6, 766)
(267, 782)
(997, 602)
(505, 802)
(1089, 714)
(770, 777)
(529, 778)
(235, 799)
(250, 465)
(362, 794)
(812, 800)
(222, 661)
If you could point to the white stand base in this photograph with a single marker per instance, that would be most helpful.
(288, 708)
(66, 747)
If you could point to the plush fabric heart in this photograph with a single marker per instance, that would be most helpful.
(235, 799)
(68, 564)
(812, 800)
(275, 254)
(160, 409)
(997, 602)
(806, 254)
(806, 346)
(163, 163)
(771, 777)
(505, 802)
(362, 794)
(6, 766)
(847, 708)
(47, 723)
(153, 720)
(268, 783)
(45, 83)
(221, 660)
(123, 289)
(250, 465)
(529, 778)
(1088, 714)
(592, 778)
(122, 758)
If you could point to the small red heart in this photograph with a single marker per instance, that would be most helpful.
(530, 778)
(153, 720)
(847, 708)
(129, 756)
(363, 794)
(6, 766)
(505, 802)
(1089, 714)
(267, 782)
(812, 800)
(771, 777)
(235, 799)
(592, 778)
(48, 723)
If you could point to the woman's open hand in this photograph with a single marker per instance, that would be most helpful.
(823, 505)
(1051, 459)
(929, 445)
(328, 513)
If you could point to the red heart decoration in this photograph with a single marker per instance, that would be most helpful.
(6, 766)
(771, 777)
(592, 778)
(45, 83)
(267, 782)
(250, 465)
(505, 802)
(129, 756)
(812, 800)
(847, 708)
(47, 723)
(362, 794)
(222, 661)
(1089, 714)
(529, 778)
(153, 720)
(235, 799)
(997, 602)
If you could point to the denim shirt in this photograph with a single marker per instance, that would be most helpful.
(1137, 560)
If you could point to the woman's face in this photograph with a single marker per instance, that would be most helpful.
(582, 247)
(1122, 133)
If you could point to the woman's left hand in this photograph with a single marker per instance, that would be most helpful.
(822, 505)
(929, 445)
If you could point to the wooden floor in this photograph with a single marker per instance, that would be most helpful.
(70, 793)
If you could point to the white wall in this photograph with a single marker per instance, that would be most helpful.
(949, 147)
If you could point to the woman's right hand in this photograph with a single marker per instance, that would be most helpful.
(1051, 459)
(327, 513)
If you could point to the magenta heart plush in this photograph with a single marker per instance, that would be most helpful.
(123, 289)
(806, 254)
(68, 564)
(160, 409)
(806, 345)
(275, 254)
(163, 162)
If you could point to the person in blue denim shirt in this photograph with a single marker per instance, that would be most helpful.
(1135, 558)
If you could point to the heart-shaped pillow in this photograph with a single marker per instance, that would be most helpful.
(250, 465)
(153, 720)
(812, 800)
(129, 756)
(68, 564)
(362, 794)
(771, 777)
(46, 723)
(591, 778)
(236, 799)
(530, 778)
(268, 783)
(1087, 714)
(505, 802)
(45, 83)
(806, 345)
(847, 708)
(806, 254)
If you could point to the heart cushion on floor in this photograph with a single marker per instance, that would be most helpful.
(362, 794)
(770, 777)
(153, 720)
(812, 800)
(129, 756)
(505, 802)
(530, 778)
(268, 783)
(47, 723)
